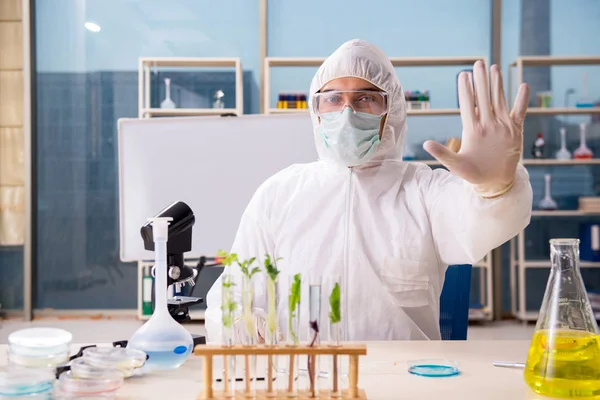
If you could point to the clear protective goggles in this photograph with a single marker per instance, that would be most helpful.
(367, 101)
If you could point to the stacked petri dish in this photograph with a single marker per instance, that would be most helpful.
(30, 384)
(39, 347)
(98, 383)
(99, 372)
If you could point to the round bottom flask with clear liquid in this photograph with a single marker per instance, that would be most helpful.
(167, 343)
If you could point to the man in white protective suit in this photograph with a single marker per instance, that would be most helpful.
(388, 228)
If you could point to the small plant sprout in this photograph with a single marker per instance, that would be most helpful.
(271, 267)
(248, 272)
(335, 314)
(227, 258)
(228, 305)
(272, 273)
(293, 305)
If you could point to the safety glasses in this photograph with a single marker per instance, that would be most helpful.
(367, 101)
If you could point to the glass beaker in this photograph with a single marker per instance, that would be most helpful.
(564, 355)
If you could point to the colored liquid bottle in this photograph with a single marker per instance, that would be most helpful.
(564, 355)
(583, 152)
(537, 151)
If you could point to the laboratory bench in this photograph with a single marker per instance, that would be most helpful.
(383, 373)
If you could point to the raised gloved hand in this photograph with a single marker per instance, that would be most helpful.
(492, 139)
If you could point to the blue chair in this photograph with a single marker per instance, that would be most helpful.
(454, 302)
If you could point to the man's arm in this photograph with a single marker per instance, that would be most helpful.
(466, 226)
(252, 240)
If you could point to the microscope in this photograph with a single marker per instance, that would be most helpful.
(178, 274)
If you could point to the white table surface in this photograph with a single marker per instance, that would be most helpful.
(383, 373)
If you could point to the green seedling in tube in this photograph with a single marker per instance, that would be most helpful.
(228, 305)
(335, 314)
(272, 273)
(248, 293)
(293, 303)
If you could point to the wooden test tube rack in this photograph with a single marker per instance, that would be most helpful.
(353, 351)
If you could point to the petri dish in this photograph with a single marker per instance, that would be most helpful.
(37, 362)
(26, 383)
(72, 386)
(123, 359)
(433, 368)
(40, 342)
(80, 368)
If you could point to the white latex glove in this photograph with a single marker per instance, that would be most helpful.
(492, 139)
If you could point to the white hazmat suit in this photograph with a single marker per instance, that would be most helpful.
(389, 228)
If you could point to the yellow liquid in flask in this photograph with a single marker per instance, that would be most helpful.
(564, 364)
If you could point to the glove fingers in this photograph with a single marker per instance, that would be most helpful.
(440, 153)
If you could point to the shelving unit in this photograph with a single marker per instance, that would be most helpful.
(396, 62)
(146, 64)
(518, 263)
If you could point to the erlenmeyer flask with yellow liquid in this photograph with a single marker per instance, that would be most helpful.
(564, 356)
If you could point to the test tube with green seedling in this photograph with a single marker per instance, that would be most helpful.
(271, 334)
(228, 307)
(248, 334)
(295, 287)
(335, 333)
(249, 331)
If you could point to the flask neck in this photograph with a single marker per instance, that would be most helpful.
(548, 186)
(565, 255)
(563, 139)
(168, 89)
(582, 138)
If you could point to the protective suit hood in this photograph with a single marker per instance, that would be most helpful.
(359, 59)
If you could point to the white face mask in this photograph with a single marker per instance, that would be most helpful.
(351, 137)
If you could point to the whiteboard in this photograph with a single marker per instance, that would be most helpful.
(213, 164)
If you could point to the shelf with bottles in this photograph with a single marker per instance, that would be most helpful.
(563, 156)
(419, 109)
(421, 112)
(583, 106)
(168, 108)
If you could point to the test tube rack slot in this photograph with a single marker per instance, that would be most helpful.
(352, 351)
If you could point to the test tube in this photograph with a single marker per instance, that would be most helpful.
(272, 332)
(294, 301)
(229, 306)
(335, 295)
(314, 317)
(249, 335)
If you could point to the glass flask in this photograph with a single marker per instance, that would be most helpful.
(583, 152)
(166, 342)
(564, 355)
(547, 203)
(563, 153)
(167, 102)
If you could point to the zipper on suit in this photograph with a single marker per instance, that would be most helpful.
(346, 250)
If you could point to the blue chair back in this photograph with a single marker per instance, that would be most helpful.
(454, 302)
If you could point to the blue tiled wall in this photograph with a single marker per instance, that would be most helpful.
(78, 248)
